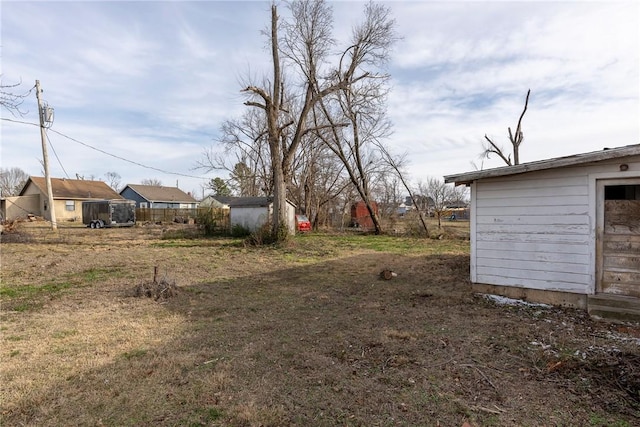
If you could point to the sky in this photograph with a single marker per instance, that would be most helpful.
(141, 88)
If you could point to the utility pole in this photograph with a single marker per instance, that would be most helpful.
(45, 159)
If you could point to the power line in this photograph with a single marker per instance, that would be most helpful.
(109, 154)
(56, 154)
(19, 121)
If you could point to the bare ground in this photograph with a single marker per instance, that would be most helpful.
(305, 334)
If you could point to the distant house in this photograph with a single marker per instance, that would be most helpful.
(562, 231)
(158, 197)
(68, 195)
(213, 201)
(403, 208)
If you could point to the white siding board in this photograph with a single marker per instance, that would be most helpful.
(564, 257)
(550, 285)
(543, 200)
(547, 267)
(508, 238)
(534, 219)
(535, 248)
(523, 182)
(532, 191)
(562, 229)
(534, 210)
(525, 276)
(550, 201)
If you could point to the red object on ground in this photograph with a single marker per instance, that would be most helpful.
(302, 223)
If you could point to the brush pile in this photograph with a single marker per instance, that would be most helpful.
(162, 289)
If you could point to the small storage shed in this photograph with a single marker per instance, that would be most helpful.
(253, 212)
(360, 216)
(562, 231)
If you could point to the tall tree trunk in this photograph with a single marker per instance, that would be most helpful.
(273, 109)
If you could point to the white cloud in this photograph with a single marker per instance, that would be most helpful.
(153, 81)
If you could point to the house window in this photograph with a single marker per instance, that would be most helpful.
(70, 205)
(143, 204)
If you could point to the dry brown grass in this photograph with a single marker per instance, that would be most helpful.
(306, 334)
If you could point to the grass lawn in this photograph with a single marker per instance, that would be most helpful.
(304, 334)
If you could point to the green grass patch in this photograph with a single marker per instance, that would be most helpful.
(599, 420)
(392, 244)
(30, 291)
(196, 242)
(97, 274)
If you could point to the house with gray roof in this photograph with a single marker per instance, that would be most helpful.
(158, 197)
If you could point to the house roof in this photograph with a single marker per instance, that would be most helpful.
(223, 200)
(72, 188)
(235, 202)
(575, 160)
(157, 193)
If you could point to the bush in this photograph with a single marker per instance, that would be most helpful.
(211, 222)
(240, 231)
(264, 236)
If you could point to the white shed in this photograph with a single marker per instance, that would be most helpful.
(252, 213)
(562, 231)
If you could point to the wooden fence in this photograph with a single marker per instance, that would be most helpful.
(218, 216)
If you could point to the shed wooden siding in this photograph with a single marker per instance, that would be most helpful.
(534, 231)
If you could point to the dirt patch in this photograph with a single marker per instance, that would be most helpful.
(301, 334)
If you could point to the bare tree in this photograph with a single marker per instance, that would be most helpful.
(397, 163)
(11, 100)
(304, 51)
(440, 194)
(113, 180)
(244, 155)
(352, 120)
(515, 139)
(11, 181)
(151, 181)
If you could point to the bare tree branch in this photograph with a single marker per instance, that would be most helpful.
(515, 139)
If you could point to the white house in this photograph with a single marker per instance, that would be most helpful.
(562, 231)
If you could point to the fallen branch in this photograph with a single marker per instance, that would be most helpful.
(481, 373)
(497, 411)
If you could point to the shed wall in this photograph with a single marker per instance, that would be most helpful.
(254, 217)
(250, 218)
(537, 230)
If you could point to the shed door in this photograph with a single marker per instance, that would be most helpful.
(619, 271)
